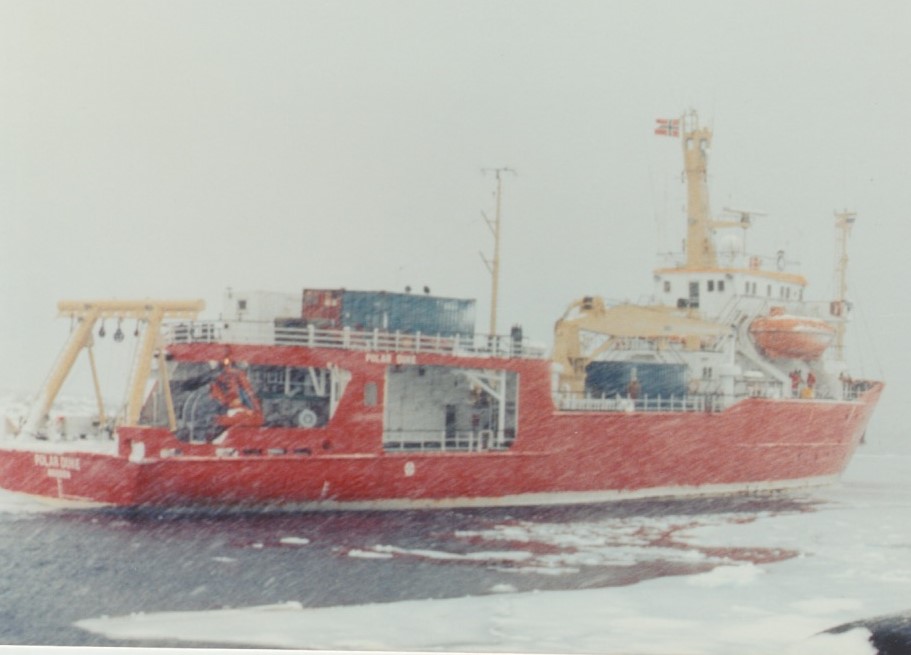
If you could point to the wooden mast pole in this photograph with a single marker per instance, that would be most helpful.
(843, 222)
(493, 265)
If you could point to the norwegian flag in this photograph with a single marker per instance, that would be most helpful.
(667, 127)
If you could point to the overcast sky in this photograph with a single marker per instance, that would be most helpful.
(178, 148)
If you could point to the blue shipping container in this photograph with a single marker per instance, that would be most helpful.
(407, 313)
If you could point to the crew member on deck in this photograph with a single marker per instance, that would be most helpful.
(796, 379)
(234, 393)
(809, 391)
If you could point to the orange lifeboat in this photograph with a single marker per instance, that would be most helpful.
(783, 336)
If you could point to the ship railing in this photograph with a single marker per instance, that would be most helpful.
(820, 309)
(621, 347)
(447, 441)
(196, 332)
(734, 310)
(825, 310)
(854, 389)
(569, 402)
(752, 306)
(267, 333)
(758, 388)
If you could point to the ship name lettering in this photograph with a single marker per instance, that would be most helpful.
(387, 358)
(61, 462)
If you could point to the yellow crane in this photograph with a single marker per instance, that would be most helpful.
(589, 328)
(86, 313)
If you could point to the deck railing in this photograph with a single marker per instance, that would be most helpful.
(854, 389)
(459, 441)
(266, 333)
(696, 403)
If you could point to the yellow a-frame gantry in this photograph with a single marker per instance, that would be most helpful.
(87, 313)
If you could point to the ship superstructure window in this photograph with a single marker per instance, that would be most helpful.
(711, 285)
(667, 286)
(720, 285)
(443, 408)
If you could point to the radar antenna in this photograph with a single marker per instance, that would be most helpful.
(746, 217)
(745, 222)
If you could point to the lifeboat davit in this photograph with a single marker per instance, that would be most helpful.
(784, 336)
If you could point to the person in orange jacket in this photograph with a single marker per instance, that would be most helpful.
(234, 393)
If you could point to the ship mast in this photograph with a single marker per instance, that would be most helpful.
(844, 220)
(493, 265)
(700, 247)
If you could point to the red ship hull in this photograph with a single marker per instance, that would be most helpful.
(556, 457)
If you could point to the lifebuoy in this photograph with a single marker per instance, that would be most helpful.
(307, 418)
